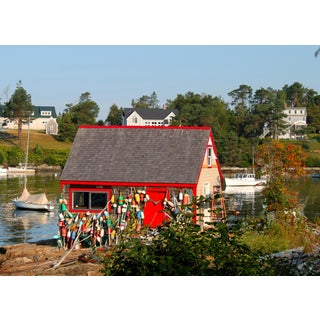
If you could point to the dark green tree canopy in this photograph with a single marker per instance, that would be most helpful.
(19, 108)
(84, 112)
(115, 115)
(146, 102)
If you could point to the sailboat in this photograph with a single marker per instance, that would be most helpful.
(29, 201)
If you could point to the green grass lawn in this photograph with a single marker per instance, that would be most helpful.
(9, 138)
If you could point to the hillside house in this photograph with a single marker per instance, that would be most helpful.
(147, 117)
(160, 165)
(296, 119)
(42, 118)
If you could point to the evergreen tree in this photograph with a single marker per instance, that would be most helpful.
(19, 108)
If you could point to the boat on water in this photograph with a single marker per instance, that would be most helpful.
(316, 175)
(245, 179)
(243, 189)
(29, 201)
(3, 170)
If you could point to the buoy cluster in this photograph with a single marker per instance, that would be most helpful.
(102, 229)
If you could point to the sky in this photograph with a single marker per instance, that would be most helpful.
(68, 48)
(56, 75)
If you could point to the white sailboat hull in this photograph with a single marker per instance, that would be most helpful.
(32, 206)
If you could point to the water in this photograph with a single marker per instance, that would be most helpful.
(18, 226)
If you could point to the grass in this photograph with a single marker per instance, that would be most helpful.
(9, 138)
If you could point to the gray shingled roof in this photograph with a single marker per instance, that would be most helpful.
(156, 114)
(137, 154)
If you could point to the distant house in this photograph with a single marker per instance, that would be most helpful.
(296, 119)
(42, 118)
(147, 117)
(159, 163)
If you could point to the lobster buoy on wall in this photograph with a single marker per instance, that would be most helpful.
(120, 199)
(137, 198)
(185, 198)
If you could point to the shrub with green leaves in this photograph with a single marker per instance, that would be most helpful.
(184, 250)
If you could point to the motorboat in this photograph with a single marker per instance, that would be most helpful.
(245, 179)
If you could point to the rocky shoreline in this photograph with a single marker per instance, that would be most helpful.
(44, 258)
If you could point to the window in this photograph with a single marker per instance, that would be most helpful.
(210, 156)
(206, 189)
(46, 113)
(87, 200)
(134, 120)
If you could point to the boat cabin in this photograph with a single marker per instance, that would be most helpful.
(152, 167)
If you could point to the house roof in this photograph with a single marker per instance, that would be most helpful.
(137, 154)
(156, 114)
(37, 111)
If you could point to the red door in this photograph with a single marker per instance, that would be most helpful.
(153, 211)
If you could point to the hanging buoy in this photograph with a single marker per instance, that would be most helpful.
(122, 225)
(170, 204)
(119, 209)
(185, 198)
(180, 196)
(137, 198)
(112, 199)
(146, 198)
(120, 199)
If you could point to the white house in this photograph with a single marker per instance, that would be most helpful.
(147, 117)
(42, 118)
(296, 119)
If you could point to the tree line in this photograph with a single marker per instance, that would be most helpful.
(236, 125)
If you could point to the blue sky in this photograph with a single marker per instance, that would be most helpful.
(59, 74)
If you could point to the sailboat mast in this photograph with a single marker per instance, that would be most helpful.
(27, 150)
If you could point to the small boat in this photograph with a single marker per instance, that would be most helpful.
(29, 201)
(316, 175)
(37, 202)
(3, 170)
(245, 179)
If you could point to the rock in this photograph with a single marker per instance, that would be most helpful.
(38, 259)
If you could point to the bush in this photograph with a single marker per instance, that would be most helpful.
(183, 250)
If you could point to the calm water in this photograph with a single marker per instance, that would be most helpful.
(18, 226)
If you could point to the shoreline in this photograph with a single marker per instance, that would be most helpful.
(44, 258)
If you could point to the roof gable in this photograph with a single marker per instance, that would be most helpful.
(149, 114)
(137, 154)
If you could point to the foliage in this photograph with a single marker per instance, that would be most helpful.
(19, 108)
(115, 115)
(181, 249)
(280, 161)
(146, 102)
(276, 235)
(84, 112)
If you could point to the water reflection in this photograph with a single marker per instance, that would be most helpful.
(244, 200)
(29, 226)
(18, 226)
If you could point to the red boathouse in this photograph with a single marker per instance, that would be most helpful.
(151, 166)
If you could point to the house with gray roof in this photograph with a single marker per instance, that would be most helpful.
(147, 117)
(151, 166)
